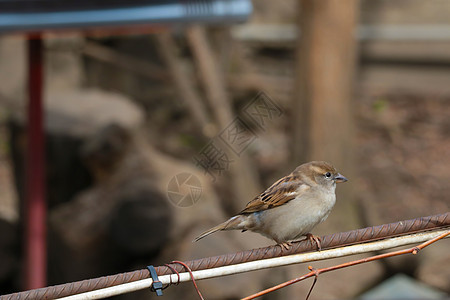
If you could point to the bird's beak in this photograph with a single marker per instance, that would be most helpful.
(340, 178)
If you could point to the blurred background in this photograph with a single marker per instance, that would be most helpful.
(155, 132)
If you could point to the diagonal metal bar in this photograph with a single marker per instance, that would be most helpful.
(330, 241)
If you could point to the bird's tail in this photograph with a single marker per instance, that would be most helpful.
(235, 222)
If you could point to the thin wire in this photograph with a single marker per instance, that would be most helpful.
(314, 282)
(176, 272)
(192, 276)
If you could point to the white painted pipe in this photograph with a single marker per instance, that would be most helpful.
(290, 33)
(262, 264)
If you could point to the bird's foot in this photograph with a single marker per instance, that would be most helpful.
(314, 239)
(285, 245)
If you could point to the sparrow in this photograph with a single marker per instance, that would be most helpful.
(291, 207)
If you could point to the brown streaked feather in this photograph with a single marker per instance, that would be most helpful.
(279, 193)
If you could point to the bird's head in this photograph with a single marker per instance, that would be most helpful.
(320, 172)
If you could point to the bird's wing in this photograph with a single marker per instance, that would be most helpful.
(281, 192)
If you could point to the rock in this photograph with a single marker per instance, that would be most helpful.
(86, 111)
(401, 286)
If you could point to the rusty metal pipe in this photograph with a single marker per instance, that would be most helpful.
(330, 241)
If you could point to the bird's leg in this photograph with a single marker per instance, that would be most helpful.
(285, 245)
(314, 239)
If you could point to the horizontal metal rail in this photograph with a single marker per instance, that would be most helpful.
(264, 264)
(330, 241)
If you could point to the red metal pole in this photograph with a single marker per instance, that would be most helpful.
(35, 204)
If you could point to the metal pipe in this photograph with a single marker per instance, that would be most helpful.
(260, 264)
(22, 18)
(35, 204)
(330, 241)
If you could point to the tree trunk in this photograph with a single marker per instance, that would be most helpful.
(323, 125)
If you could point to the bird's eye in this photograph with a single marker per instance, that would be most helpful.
(327, 174)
